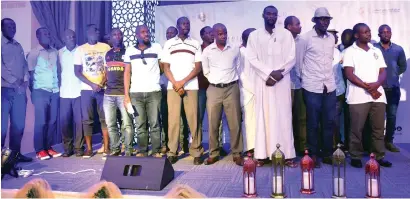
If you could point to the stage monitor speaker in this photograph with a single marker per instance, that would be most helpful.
(145, 173)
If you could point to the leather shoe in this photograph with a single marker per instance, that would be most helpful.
(356, 163)
(66, 155)
(384, 163)
(198, 161)
(210, 160)
(23, 158)
(173, 159)
(238, 160)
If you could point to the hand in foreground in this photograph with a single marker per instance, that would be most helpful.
(126, 100)
(96, 88)
(181, 92)
(372, 87)
(270, 82)
(375, 94)
(178, 85)
(277, 74)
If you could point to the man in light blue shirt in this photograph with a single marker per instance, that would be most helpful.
(42, 64)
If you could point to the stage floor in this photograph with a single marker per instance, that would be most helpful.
(223, 179)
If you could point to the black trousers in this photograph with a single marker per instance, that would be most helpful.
(71, 124)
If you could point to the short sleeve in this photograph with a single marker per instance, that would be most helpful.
(32, 59)
(198, 54)
(127, 58)
(78, 57)
(165, 54)
(380, 59)
(159, 51)
(347, 60)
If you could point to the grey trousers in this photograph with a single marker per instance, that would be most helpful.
(358, 117)
(227, 98)
(190, 100)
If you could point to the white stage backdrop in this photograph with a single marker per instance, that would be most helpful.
(238, 16)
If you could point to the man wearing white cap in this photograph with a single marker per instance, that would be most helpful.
(314, 57)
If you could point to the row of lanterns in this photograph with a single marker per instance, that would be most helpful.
(372, 175)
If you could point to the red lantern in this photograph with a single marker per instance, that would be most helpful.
(372, 178)
(249, 177)
(307, 166)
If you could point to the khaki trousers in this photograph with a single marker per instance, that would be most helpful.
(227, 98)
(190, 100)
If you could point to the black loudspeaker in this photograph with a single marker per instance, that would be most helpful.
(130, 172)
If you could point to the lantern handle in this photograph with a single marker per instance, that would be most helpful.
(277, 145)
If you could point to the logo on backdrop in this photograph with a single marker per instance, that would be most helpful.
(386, 11)
(202, 16)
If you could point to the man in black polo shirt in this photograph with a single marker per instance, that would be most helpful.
(114, 96)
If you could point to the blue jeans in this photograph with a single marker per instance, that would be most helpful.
(13, 104)
(320, 108)
(111, 104)
(148, 109)
(46, 105)
(393, 99)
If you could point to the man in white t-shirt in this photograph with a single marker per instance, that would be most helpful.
(70, 99)
(182, 63)
(364, 68)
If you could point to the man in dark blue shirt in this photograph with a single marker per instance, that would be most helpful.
(396, 65)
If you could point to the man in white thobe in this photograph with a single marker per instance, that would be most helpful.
(246, 77)
(271, 53)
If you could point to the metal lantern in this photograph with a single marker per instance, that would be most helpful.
(307, 166)
(339, 173)
(249, 177)
(278, 171)
(372, 178)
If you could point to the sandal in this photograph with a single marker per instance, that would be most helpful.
(291, 163)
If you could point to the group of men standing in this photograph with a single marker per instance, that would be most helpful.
(259, 87)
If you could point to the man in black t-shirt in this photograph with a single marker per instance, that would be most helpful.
(114, 96)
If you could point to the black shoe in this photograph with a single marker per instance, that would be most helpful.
(327, 160)
(356, 163)
(23, 158)
(67, 154)
(384, 163)
(198, 161)
(79, 153)
(222, 152)
(172, 159)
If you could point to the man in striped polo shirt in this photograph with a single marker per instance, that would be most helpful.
(182, 63)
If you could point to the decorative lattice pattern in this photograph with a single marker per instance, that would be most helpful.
(126, 15)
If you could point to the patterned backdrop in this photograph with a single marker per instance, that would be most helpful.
(126, 15)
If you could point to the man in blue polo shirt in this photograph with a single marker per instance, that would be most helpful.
(396, 65)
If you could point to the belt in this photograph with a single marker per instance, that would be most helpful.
(222, 85)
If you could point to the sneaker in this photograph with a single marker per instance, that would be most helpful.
(53, 153)
(43, 155)
(391, 147)
(88, 154)
(101, 150)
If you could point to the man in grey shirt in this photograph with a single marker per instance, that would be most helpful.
(314, 57)
(14, 82)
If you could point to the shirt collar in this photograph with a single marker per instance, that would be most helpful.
(368, 44)
(4, 40)
(214, 46)
(314, 34)
(177, 38)
(138, 48)
(66, 49)
(39, 47)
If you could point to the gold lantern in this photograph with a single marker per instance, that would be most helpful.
(339, 173)
(278, 172)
